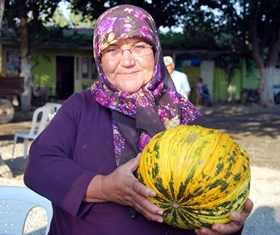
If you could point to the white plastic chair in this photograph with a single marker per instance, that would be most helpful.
(15, 204)
(42, 115)
(54, 108)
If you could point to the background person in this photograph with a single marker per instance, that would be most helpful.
(202, 93)
(84, 160)
(206, 95)
(180, 79)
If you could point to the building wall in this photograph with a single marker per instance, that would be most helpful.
(217, 79)
(44, 73)
(222, 89)
(44, 65)
(207, 68)
(44, 70)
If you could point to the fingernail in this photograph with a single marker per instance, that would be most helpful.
(160, 212)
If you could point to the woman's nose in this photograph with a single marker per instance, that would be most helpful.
(127, 58)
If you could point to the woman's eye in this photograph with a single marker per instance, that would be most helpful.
(111, 49)
(139, 46)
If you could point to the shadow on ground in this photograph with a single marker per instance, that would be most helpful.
(267, 222)
(254, 124)
(246, 120)
(17, 165)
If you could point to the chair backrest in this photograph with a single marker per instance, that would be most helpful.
(54, 107)
(40, 115)
(15, 204)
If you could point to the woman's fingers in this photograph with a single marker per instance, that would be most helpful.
(121, 186)
(136, 194)
(148, 209)
(236, 223)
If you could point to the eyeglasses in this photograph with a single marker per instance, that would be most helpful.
(115, 53)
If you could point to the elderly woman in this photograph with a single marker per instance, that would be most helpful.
(84, 160)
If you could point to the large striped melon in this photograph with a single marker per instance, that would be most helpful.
(200, 175)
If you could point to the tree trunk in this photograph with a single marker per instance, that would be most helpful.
(256, 53)
(271, 64)
(25, 98)
(267, 68)
(2, 7)
(26, 59)
(267, 91)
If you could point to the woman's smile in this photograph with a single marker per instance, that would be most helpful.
(128, 75)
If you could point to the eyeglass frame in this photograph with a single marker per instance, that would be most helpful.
(128, 49)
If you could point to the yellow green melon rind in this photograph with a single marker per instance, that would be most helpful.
(200, 175)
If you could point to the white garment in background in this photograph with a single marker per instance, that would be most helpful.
(181, 83)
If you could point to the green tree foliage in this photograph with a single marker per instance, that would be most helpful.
(165, 12)
(35, 13)
(65, 19)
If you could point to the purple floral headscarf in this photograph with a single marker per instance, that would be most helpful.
(156, 106)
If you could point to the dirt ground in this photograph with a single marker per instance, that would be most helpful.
(253, 127)
(256, 129)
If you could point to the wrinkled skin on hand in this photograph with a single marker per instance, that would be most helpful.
(122, 187)
(237, 221)
(125, 189)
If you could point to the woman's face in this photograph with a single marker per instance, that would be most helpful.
(128, 73)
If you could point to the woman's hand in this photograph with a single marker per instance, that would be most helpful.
(122, 187)
(237, 221)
